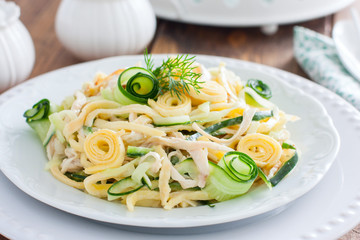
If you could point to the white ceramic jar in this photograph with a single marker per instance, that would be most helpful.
(17, 52)
(92, 29)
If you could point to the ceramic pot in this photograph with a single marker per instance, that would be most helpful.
(17, 52)
(93, 29)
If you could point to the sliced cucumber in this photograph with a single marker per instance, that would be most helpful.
(107, 94)
(286, 168)
(78, 176)
(42, 127)
(187, 167)
(123, 187)
(230, 122)
(254, 99)
(37, 119)
(239, 166)
(171, 121)
(221, 186)
(138, 84)
(140, 172)
(39, 111)
(129, 72)
(260, 88)
(233, 176)
(133, 151)
(121, 98)
(175, 186)
(287, 146)
(265, 179)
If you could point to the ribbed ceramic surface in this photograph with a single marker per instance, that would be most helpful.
(17, 53)
(93, 29)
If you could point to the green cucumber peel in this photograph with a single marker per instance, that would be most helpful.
(140, 84)
(133, 151)
(260, 88)
(123, 187)
(230, 122)
(39, 110)
(286, 168)
(287, 146)
(78, 176)
(38, 119)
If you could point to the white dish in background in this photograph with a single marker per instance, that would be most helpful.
(346, 39)
(234, 13)
(330, 210)
(17, 52)
(23, 159)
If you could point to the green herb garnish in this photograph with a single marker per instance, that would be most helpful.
(176, 74)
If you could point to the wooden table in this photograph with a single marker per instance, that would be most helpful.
(171, 37)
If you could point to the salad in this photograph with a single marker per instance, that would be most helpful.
(175, 135)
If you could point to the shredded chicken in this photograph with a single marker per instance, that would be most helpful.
(112, 82)
(197, 150)
(200, 157)
(185, 183)
(132, 116)
(54, 148)
(178, 154)
(79, 102)
(145, 120)
(72, 162)
(225, 83)
(133, 138)
(176, 135)
(155, 167)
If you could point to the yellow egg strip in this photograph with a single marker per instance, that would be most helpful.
(136, 108)
(170, 105)
(175, 128)
(100, 190)
(77, 123)
(210, 91)
(55, 171)
(164, 175)
(104, 149)
(263, 149)
(118, 125)
(178, 197)
(132, 198)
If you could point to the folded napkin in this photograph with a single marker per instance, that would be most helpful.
(318, 57)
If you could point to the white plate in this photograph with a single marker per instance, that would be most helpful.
(346, 41)
(330, 210)
(245, 12)
(23, 158)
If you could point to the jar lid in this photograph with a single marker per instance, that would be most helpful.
(9, 12)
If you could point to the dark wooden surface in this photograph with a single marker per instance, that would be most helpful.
(172, 37)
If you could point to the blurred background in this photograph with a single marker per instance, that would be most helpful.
(245, 43)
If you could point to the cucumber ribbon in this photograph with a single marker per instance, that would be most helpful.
(231, 177)
(260, 88)
(37, 119)
(140, 84)
(39, 111)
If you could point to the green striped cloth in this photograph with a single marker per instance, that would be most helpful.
(317, 56)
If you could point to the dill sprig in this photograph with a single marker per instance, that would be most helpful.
(176, 74)
(148, 60)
